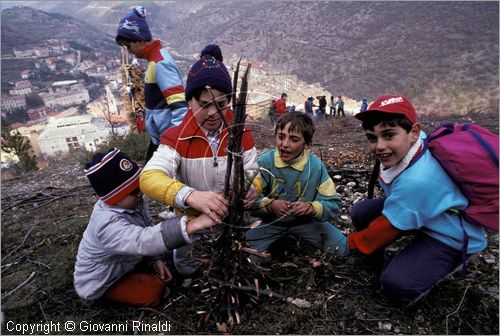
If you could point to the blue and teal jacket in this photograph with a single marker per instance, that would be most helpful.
(306, 180)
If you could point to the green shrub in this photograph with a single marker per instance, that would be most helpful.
(133, 144)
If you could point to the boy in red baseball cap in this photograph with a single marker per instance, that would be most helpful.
(418, 197)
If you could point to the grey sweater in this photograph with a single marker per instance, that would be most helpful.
(116, 240)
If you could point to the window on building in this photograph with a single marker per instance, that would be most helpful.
(72, 143)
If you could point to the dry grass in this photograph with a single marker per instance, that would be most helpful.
(42, 227)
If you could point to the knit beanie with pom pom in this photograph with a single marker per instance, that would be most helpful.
(209, 71)
(134, 26)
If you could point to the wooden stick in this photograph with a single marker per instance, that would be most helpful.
(24, 283)
(266, 292)
(254, 252)
(20, 245)
(458, 308)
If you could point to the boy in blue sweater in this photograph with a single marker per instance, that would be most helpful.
(418, 198)
(163, 88)
(298, 196)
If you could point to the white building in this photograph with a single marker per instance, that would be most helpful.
(66, 134)
(26, 53)
(13, 103)
(65, 96)
(110, 98)
(21, 88)
(41, 51)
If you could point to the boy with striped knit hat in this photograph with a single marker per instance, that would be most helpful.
(120, 239)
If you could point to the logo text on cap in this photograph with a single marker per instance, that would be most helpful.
(392, 100)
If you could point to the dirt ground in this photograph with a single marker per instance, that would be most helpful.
(45, 213)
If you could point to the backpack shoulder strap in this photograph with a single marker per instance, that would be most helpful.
(373, 178)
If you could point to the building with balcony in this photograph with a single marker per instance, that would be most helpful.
(12, 103)
(21, 88)
(63, 135)
(64, 96)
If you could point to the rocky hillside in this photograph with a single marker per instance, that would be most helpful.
(442, 54)
(22, 26)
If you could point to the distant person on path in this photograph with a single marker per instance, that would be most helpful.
(419, 197)
(332, 106)
(308, 107)
(340, 106)
(188, 170)
(280, 105)
(299, 197)
(321, 113)
(164, 91)
(140, 123)
(364, 105)
(272, 112)
(121, 254)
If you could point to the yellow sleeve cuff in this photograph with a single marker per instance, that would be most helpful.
(264, 205)
(159, 186)
(257, 184)
(318, 209)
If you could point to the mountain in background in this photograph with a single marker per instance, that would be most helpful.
(443, 55)
(26, 26)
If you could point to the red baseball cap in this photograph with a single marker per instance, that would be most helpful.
(391, 104)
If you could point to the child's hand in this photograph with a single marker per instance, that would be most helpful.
(210, 203)
(162, 270)
(280, 208)
(301, 209)
(250, 197)
(201, 222)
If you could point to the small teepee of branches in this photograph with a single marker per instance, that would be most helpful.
(233, 278)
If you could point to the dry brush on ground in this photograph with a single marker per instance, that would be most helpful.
(45, 213)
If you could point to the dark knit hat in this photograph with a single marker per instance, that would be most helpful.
(209, 70)
(134, 26)
(393, 105)
(112, 175)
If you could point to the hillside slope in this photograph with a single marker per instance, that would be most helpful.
(442, 54)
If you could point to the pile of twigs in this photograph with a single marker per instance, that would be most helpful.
(233, 279)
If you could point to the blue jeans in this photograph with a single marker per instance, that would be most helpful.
(320, 114)
(418, 267)
(334, 241)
